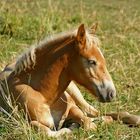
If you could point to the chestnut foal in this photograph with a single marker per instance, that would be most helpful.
(41, 76)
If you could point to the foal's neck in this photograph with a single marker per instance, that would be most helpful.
(53, 74)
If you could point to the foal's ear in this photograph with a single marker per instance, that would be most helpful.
(81, 35)
(93, 28)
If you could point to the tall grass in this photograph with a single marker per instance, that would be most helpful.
(25, 22)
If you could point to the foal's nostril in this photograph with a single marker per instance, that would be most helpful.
(111, 94)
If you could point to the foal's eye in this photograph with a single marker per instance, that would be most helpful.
(92, 62)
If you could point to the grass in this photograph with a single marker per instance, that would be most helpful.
(25, 22)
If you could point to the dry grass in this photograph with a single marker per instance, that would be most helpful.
(25, 22)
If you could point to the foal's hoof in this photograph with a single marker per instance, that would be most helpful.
(92, 112)
(107, 119)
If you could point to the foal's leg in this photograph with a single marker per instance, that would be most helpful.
(77, 115)
(48, 131)
(38, 110)
(75, 93)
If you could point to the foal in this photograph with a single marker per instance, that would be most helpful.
(41, 76)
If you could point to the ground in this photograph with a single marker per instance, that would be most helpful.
(25, 22)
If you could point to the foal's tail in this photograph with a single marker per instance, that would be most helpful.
(126, 118)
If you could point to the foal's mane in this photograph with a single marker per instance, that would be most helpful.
(28, 59)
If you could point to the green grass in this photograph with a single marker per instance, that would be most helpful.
(25, 22)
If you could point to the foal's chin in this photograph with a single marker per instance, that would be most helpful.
(104, 101)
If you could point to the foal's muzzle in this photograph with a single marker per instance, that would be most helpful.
(108, 96)
(106, 93)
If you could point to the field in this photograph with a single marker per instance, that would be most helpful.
(25, 22)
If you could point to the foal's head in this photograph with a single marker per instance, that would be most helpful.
(89, 67)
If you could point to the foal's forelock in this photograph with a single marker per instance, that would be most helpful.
(28, 59)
